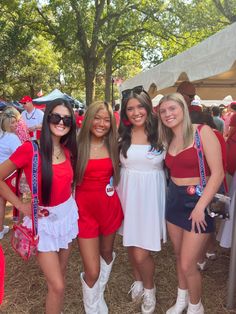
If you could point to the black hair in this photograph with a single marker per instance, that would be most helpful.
(199, 117)
(151, 124)
(117, 107)
(215, 111)
(46, 147)
(233, 106)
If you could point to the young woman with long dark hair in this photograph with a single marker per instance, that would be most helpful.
(142, 192)
(57, 159)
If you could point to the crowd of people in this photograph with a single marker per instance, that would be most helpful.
(134, 173)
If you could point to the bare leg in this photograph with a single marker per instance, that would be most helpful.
(50, 264)
(144, 265)
(89, 250)
(191, 249)
(106, 247)
(176, 236)
(2, 212)
(136, 273)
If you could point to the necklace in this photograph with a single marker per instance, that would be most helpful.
(31, 116)
(97, 146)
(57, 154)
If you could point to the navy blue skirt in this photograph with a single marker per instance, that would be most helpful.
(179, 206)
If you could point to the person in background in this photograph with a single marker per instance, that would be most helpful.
(188, 91)
(100, 210)
(142, 192)
(32, 117)
(9, 142)
(2, 274)
(117, 114)
(21, 129)
(79, 117)
(231, 141)
(188, 224)
(219, 123)
(226, 116)
(58, 213)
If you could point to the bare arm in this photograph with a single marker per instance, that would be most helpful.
(212, 152)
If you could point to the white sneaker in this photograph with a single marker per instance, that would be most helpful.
(4, 231)
(149, 301)
(136, 291)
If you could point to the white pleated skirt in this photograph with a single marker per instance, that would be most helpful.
(59, 228)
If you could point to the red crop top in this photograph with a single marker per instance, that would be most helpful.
(185, 164)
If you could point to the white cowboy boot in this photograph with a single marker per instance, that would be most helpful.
(105, 271)
(90, 296)
(195, 308)
(181, 302)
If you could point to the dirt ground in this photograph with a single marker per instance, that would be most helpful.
(25, 287)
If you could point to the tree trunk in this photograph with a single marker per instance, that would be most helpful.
(89, 81)
(108, 77)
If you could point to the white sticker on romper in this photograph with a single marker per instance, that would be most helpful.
(110, 190)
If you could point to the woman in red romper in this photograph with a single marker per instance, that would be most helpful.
(100, 210)
(59, 226)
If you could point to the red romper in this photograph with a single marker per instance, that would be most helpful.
(99, 213)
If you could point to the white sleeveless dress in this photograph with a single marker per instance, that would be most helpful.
(142, 192)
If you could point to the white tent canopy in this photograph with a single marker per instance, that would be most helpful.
(210, 65)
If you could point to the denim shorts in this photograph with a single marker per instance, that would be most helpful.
(179, 207)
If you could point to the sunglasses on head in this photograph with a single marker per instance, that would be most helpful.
(55, 118)
(136, 90)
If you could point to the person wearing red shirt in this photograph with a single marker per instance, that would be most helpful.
(231, 142)
(57, 229)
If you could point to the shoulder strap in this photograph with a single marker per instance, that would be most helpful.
(200, 155)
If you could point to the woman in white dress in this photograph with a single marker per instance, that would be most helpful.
(141, 191)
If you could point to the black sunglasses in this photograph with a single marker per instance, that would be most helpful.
(55, 118)
(136, 90)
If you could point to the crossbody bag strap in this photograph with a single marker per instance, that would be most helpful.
(34, 189)
(200, 155)
(16, 214)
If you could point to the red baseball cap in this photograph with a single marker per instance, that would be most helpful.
(25, 99)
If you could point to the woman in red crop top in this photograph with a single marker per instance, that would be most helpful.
(188, 225)
(57, 229)
(99, 206)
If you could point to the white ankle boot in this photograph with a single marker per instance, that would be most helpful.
(91, 296)
(105, 271)
(195, 308)
(149, 301)
(181, 302)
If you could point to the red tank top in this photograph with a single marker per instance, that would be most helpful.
(185, 164)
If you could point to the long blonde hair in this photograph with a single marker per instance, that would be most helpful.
(165, 133)
(84, 139)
